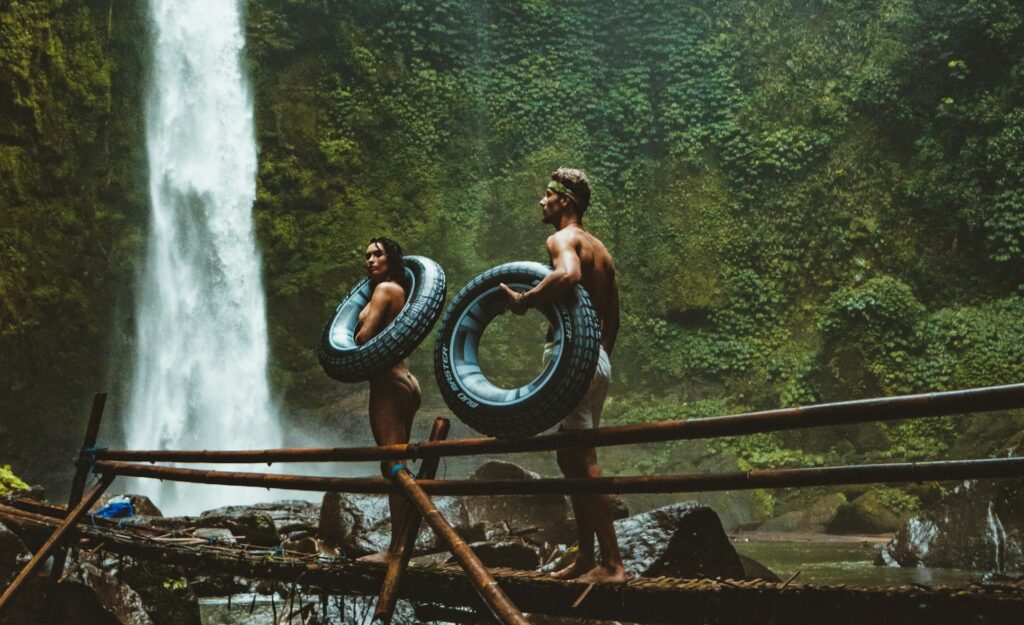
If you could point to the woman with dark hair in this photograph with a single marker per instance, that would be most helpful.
(394, 395)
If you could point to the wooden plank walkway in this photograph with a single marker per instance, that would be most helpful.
(645, 600)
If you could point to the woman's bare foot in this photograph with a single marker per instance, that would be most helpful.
(381, 557)
(573, 571)
(604, 575)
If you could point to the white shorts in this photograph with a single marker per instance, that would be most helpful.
(587, 413)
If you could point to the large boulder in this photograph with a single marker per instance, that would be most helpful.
(263, 523)
(867, 514)
(977, 526)
(361, 524)
(551, 515)
(814, 518)
(680, 540)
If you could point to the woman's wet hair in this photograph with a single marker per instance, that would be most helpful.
(396, 261)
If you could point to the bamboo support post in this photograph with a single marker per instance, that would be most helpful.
(407, 538)
(83, 463)
(842, 413)
(483, 582)
(55, 538)
(994, 468)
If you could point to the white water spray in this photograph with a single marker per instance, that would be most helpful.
(200, 378)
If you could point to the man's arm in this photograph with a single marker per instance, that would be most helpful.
(385, 296)
(565, 275)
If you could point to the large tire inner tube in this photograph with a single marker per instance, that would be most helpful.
(529, 409)
(344, 360)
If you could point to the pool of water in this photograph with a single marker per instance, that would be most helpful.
(847, 562)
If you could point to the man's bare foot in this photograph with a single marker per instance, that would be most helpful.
(573, 571)
(381, 557)
(604, 575)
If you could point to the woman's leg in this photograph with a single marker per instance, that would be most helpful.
(394, 399)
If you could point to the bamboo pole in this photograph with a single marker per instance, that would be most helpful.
(83, 466)
(994, 468)
(407, 538)
(483, 582)
(842, 413)
(54, 539)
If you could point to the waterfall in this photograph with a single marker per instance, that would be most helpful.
(200, 378)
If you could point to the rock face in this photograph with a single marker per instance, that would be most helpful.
(680, 540)
(550, 514)
(979, 526)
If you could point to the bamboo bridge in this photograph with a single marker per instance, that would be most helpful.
(471, 592)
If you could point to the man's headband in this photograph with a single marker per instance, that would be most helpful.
(558, 187)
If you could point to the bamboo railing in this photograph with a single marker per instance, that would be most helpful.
(819, 415)
(111, 463)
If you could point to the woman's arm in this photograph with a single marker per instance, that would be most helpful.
(386, 301)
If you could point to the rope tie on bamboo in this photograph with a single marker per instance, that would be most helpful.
(87, 458)
(398, 467)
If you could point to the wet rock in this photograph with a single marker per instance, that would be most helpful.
(305, 544)
(680, 540)
(550, 514)
(330, 528)
(166, 595)
(787, 522)
(116, 597)
(144, 506)
(979, 525)
(215, 535)
(619, 508)
(251, 526)
(514, 554)
(364, 524)
(35, 492)
(290, 515)
(864, 515)
(752, 569)
(13, 555)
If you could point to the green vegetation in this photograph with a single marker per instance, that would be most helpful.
(806, 201)
(9, 482)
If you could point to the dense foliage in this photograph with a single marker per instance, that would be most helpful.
(806, 201)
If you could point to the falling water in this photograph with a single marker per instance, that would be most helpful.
(200, 377)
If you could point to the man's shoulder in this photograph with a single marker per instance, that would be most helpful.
(568, 236)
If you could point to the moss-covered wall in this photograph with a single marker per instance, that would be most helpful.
(72, 184)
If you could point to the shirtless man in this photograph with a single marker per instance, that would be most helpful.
(578, 257)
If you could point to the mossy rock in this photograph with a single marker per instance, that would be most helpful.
(864, 515)
(814, 518)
